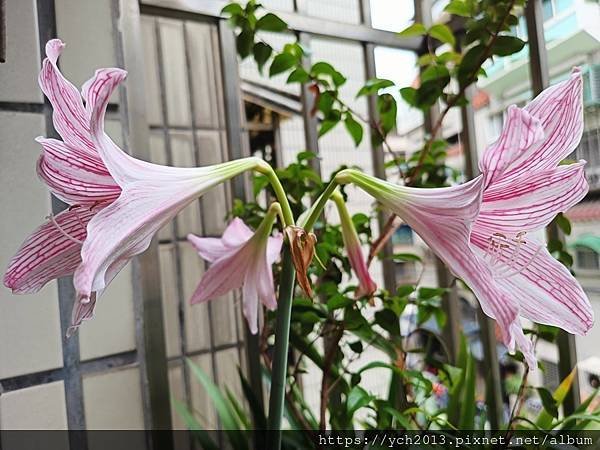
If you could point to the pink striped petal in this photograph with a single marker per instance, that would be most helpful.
(545, 289)
(520, 132)
(68, 115)
(559, 110)
(443, 217)
(525, 345)
(531, 201)
(241, 258)
(75, 176)
(226, 274)
(151, 195)
(49, 252)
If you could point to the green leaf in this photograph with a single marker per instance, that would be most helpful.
(233, 9)
(426, 293)
(548, 402)
(354, 128)
(458, 8)
(224, 410)
(406, 257)
(389, 321)
(338, 301)
(409, 94)
(356, 346)
(262, 53)
(400, 418)
(507, 45)
(378, 365)
(324, 68)
(239, 411)
(271, 22)
(373, 86)
(443, 34)
(298, 75)
(281, 63)
(563, 223)
(357, 398)
(470, 63)
(544, 419)
(467, 416)
(198, 433)
(244, 42)
(416, 29)
(326, 126)
(405, 290)
(439, 74)
(258, 413)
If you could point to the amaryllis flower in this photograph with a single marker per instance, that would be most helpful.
(240, 258)
(118, 202)
(74, 172)
(482, 229)
(366, 285)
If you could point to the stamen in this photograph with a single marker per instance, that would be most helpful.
(62, 231)
(506, 263)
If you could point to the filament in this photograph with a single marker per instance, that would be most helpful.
(62, 231)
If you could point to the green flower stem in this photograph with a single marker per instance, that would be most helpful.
(268, 171)
(317, 207)
(280, 356)
(266, 225)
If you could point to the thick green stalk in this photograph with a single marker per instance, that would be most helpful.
(280, 356)
(317, 207)
(268, 171)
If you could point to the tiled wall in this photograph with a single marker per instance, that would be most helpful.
(187, 123)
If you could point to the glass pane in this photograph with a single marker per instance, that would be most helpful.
(563, 5)
(391, 15)
(547, 8)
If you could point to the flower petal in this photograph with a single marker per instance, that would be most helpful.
(264, 283)
(531, 201)
(210, 249)
(75, 176)
(49, 252)
(520, 132)
(525, 345)
(274, 244)
(151, 195)
(68, 115)
(236, 233)
(250, 300)
(443, 217)
(225, 275)
(560, 112)
(545, 289)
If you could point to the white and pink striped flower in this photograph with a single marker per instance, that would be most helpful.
(482, 229)
(366, 285)
(243, 259)
(117, 202)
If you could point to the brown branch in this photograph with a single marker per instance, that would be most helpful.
(388, 230)
(327, 362)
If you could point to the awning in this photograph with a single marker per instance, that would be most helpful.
(279, 101)
(589, 241)
(584, 212)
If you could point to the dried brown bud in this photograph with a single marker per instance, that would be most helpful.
(302, 246)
